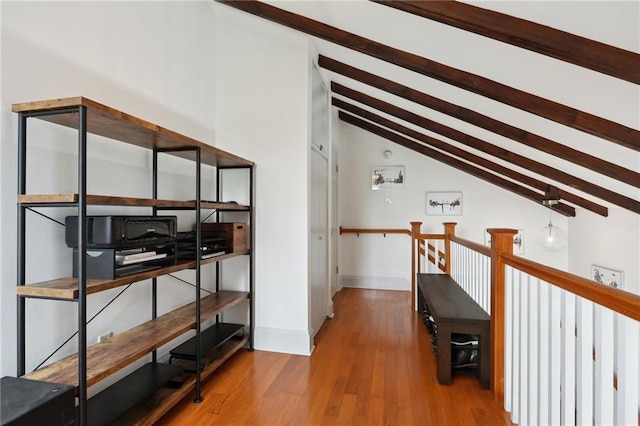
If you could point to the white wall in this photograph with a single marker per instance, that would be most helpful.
(148, 59)
(197, 68)
(261, 97)
(373, 259)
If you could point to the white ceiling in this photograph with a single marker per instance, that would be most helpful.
(615, 23)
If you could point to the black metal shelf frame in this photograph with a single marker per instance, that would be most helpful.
(198, 165)
(251, 177)
(82, 246)
(81, 204)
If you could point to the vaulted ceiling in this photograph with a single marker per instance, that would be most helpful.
(392, 83)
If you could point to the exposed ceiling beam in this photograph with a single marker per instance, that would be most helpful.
(467, 156)
(534, 104)
(518, 189)
(531, 140)
(581, 51)
(496, 151)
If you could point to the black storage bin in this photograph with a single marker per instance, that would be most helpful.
(30, 402)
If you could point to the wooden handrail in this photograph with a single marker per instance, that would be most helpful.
(617, 300)
(429, 236)
(373, 231)
(472, 245)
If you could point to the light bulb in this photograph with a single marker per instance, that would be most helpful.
(552, 237)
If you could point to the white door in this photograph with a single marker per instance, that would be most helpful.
(333, 271)
(318, 236)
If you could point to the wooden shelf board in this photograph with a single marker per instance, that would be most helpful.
(67, 288)
(104, 359)
(152, 410)
(45, 199)
(113, 124)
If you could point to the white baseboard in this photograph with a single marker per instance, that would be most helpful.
(376, 283)
(283, 341)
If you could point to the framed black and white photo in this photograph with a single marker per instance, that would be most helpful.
(444, 203)
(607, 276)
(387, 177)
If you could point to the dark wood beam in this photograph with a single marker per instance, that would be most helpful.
(581, 51)
(531, 140)
(534, 104)
(467, 156)
(496, 151)
(454, 162)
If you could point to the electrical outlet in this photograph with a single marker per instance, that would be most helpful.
(104, 337)
(388, 200)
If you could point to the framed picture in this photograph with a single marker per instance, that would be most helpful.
(607, 276)
(518, 241)
(444, 203)
(387, 177)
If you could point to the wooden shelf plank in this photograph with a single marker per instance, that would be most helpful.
(113, 124)
(106, 358)
(67, 288)
(106, 200)
(152, 410)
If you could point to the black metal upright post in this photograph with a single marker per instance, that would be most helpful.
(82, 263)
(154, 281)
(218, 198)
(252, 245)
(198, 396)
(21, 249)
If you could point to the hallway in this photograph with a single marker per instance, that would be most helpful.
(372, 364)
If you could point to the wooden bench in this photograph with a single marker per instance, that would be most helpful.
(454, 311)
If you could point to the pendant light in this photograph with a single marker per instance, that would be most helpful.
(551, 237)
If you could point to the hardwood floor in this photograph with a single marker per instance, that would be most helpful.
(372, 364)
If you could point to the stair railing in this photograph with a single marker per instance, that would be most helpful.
(564, 348)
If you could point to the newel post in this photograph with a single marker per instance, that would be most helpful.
(449, 231)
(415, 230)
(501, 243)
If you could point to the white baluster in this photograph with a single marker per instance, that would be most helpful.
(584, 364)
(628, 393)
(555, 342)
(543, 391)
(604, 347)
(568, 358)
(515, 347)
(533, 352)
(524, 353)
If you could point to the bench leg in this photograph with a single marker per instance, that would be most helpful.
(444, 354)
(484, 361)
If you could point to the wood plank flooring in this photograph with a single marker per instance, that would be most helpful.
(372, 365)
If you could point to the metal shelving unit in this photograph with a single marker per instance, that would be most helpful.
(93, 363)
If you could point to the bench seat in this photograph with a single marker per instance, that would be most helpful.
(454, 311)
